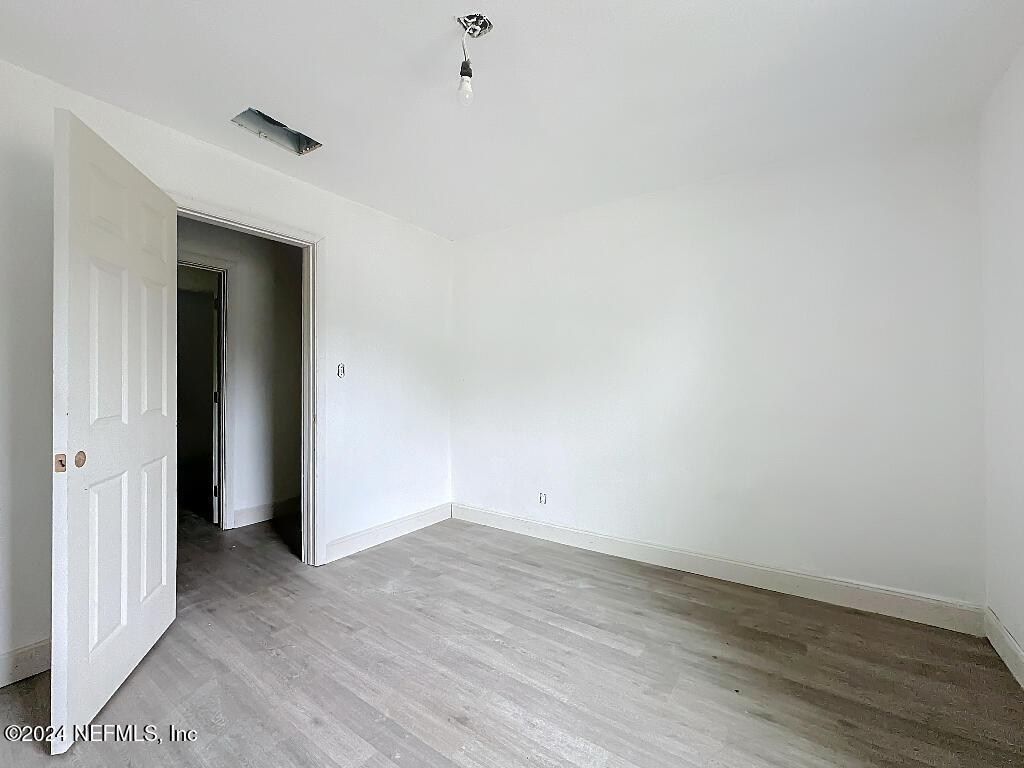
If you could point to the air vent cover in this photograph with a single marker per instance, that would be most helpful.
(266, 127)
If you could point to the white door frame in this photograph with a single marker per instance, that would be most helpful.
(314, 545)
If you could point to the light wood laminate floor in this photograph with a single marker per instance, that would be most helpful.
(460, 645)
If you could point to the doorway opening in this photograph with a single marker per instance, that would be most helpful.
(240, 381)
(200, 338)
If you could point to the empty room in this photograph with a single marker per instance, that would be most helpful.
(627, 385)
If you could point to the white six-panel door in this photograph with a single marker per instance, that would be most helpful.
(115, 400)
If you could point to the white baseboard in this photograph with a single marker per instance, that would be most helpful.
(263, 512)
(1005, 644)
(371, 537)
(24, 662)
(924, 609)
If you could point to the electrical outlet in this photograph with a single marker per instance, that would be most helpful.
(543, 498)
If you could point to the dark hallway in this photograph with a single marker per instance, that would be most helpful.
(198, 342)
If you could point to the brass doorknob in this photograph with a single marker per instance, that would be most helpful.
(80, 459)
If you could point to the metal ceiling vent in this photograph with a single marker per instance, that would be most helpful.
(274, 131)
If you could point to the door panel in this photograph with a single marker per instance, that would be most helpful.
(154, 527)
(114, 517)
(154, 348)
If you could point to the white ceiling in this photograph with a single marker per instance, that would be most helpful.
(576, 102)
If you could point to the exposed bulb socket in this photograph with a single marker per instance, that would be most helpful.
(464, 94)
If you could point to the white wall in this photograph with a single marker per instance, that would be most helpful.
(264, 361)
(1002, 196)
(384, 290)
(782, 368)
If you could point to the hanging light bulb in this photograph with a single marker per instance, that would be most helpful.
(465, 90)
(475, 25)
